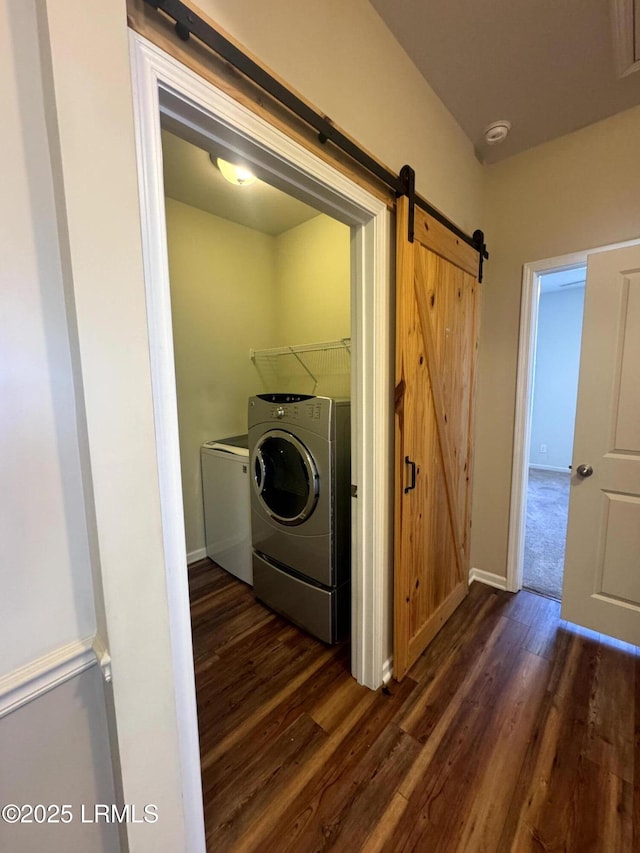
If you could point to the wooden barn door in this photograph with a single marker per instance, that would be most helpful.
(436, 343)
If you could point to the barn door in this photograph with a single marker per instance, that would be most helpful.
(436, 342)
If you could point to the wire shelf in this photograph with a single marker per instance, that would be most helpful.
(325, 365)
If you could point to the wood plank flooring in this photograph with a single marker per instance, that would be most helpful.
(514, 731)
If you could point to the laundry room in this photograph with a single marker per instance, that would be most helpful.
(260, 301)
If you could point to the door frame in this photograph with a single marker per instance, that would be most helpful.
(161, 83)
(524, 388)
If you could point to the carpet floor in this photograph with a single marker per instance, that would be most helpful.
(546, 531)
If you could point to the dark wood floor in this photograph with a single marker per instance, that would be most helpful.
(513, 732)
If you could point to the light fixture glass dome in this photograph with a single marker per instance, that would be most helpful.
(238, 175)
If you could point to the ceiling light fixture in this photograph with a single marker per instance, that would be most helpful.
(496, 132)
(240, 176)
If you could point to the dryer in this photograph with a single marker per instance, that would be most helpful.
(300, 467)
(227, 516)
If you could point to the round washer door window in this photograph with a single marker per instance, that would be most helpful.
(285, 477)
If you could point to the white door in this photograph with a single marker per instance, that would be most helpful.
(602, 566)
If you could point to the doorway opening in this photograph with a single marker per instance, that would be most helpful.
(552, 418)
(171, 97)
(260, 303)
(549, 348)
(540, 281)
(260, 299)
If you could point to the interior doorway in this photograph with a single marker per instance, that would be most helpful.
(564, 269)
(204, 115)
(260, 298)
(552, 417)
(539, 494)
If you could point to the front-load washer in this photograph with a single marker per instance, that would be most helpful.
(300, 467)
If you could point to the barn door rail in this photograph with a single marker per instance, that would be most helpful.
(188, 23)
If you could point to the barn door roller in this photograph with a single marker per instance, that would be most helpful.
(408, 182)
(408, 178)
(188, 23)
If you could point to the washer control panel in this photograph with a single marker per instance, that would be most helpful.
(285, 398)
(295, 407)
(311, 411)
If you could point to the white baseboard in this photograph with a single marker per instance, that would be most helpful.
(194, 556)
(497, 581)
(557, 468)
(36, 678)
(387, 670)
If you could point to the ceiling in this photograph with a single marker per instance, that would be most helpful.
(191, 177)
(560, 280)
(547, 66)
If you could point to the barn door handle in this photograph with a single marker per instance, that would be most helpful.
(408, 461)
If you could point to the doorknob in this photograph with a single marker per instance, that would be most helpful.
(584, 470)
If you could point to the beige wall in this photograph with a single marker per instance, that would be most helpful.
(313, 291)
(577, 192)
(341, 57)
(222, 283)
(313, 282)
(234, 289)
(56, 750)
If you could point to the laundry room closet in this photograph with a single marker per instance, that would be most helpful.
(260, 300)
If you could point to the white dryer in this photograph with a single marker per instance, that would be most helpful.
(227, 514)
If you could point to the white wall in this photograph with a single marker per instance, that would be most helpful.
(84, 44)
(56, 747)
(568, 195)
(556, 377)
(45, 577)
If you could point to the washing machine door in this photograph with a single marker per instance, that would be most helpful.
(285, 477)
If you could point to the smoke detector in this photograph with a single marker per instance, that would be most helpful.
(496, 132)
